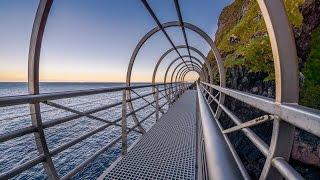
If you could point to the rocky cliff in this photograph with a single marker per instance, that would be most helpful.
(243, 41)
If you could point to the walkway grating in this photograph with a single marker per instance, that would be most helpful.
(167, 150)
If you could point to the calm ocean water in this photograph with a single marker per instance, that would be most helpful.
(20, 150)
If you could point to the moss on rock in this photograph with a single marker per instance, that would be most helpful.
(310, 95)
(253, 50)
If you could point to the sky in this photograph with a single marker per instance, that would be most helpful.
(92, 40)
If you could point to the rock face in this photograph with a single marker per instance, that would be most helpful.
(311, 20)
(306, 147)
(234, 39)
(231, 15)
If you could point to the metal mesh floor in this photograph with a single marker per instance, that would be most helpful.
(167, 150)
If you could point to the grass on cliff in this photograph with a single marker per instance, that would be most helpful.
(310, 95)
(254, 50)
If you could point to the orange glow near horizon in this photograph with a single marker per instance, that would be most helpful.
(91, 41)
(56, 76)
(10, 76)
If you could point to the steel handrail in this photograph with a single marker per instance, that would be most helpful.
(54, 122)
(219, 158)
(291, 113)
(254, 100)
(31, 99)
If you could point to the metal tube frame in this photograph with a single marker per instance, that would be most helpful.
(192, 28)
(195, 66)
(185, 63)
(286, 75)
(206, 61)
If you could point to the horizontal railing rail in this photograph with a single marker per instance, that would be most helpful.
(25, 99)
(48, 98)
(292, 113)
(299, 116)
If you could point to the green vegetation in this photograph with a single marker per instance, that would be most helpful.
(294, 15)
(310, 95)
(256, 56)
(250, 23)
(253, 50)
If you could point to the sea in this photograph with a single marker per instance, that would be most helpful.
(20, 150)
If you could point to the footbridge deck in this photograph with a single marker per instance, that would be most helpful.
(167, 150)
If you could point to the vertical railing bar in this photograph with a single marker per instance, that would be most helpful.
(157, 103)
(124, 123)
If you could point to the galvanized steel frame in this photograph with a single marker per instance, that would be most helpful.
(285, 105)
(178, 47)
(199, 66)
(192, 28)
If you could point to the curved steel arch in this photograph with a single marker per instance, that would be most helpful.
(182, 68)
(179, 47)
(211, 77)
(183, 80)
(185, 68)
(286, 77)
(184, 75)
(177, 24)
(180, 77)
(165, 77)
(33, 84)
(173, 72)
(175, 60)
(201, 71)
(168, 68)
(193, 28)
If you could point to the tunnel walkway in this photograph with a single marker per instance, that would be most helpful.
(167, 151)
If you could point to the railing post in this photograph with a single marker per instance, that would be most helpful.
(124, 123)
(177, 91)
(157, 103)
(171, 95)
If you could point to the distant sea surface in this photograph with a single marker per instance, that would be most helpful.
(20, 150)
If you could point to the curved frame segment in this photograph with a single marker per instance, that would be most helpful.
(194, 29)
(286, 77)
(168, 68)
(180, 47)
(197, 66)
(183, 74)
(33, 83)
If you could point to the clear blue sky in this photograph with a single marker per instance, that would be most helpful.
(92, 40)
